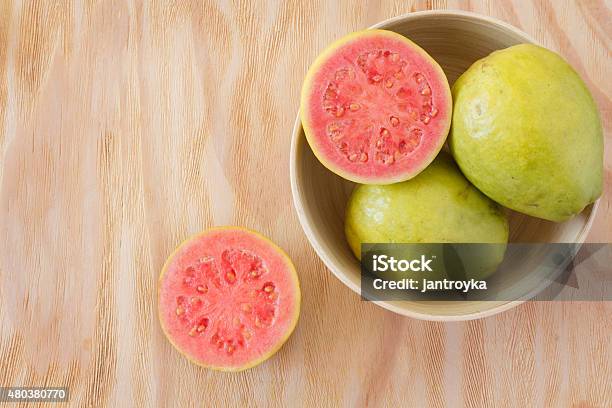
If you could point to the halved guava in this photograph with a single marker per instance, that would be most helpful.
(228, 298)
(375, 107)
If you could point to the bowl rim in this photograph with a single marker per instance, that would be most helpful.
(297, 132)
(455, 13)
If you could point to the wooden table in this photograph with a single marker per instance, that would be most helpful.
(127, 127)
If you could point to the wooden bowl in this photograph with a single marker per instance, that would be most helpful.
(455, 39)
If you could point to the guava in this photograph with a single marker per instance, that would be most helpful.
(228, 298)
(438, 206)
(375, 107)
(527, 133)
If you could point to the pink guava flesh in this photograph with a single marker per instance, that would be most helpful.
(376, 108)
(228, 298)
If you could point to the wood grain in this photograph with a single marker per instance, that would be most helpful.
(128, 126)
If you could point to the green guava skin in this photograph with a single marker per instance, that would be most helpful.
(438, 206)
(527, 133)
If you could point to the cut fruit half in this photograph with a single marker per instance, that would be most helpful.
(375, 107)
(228, 298)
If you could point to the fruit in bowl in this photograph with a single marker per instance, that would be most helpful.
(375, 107)
(438, 206)
(456, 40)
(527, 133)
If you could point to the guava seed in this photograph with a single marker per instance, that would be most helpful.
(190, 272)
(403, 93)
(394, 121)
(330, 92)
(230, 276)
(384, 158)
(345, 73)
(336, 136)
(216, 340)
(341, 74)
(203, 324)
(195, 302)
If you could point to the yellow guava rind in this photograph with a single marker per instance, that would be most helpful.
(526, 131)
(438, 206)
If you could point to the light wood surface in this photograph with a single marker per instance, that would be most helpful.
(128, 126)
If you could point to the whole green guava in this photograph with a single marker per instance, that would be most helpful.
(438, 206)
(527, 133)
